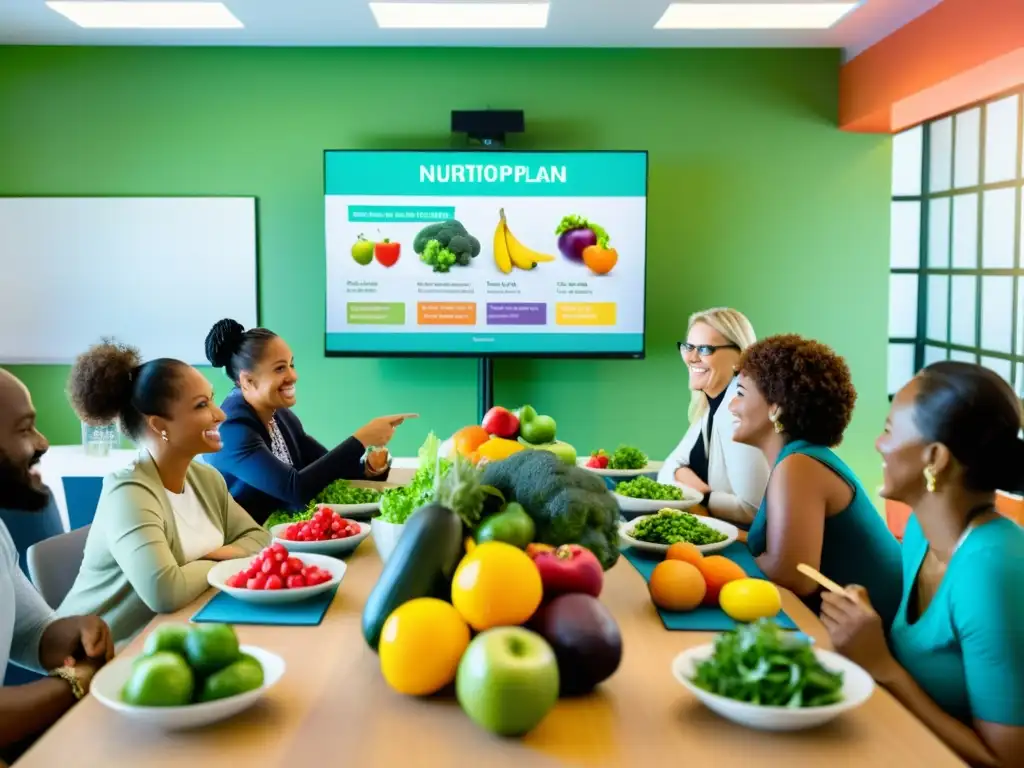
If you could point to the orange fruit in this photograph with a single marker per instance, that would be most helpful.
(717, 572)
(421, 645)
(676, 586)
(685, 551)
(496, 585)
(468, 439)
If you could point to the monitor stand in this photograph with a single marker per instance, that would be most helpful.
(484, 387)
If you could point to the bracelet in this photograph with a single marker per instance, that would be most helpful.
(68, 675)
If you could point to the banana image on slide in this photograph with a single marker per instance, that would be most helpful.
(509, 252)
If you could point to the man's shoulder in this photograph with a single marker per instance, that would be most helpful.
(8, 552)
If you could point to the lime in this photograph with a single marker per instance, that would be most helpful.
(210, 647)
(166, 637)
(246, 674)
(160, 680)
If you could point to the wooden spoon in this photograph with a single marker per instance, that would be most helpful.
(820, 578)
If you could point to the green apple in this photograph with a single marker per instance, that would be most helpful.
(507, 680)
(565, 452)
(526, 413)
(362, 251)
(538, 431)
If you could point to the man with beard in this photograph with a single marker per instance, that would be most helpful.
(69, 649)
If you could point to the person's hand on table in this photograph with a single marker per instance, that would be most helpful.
(85, 639)
(856, 631)
(227, 552)
(378, 433)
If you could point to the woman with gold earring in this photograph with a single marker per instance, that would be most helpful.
(164, 521)
(794, 402)
(955, 652)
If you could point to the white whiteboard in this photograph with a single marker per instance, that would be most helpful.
(153, 272)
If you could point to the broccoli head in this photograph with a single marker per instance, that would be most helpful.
(437, 256)
(569, 505)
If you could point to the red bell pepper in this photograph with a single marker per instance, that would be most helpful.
(566, 569)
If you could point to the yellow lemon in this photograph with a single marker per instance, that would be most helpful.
(496, 585)
(750, 599)
(421, 645)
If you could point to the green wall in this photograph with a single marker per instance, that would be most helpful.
(756, 201)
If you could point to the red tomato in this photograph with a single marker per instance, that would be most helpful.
(268, 566)
(294, 565)
(387, 252)
(295, 581)
(257, 583)
(274, 582)
(252, 571)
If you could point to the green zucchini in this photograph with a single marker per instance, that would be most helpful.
(422, 565)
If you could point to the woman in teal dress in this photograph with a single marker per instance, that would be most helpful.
(955, 653)
(794, 400)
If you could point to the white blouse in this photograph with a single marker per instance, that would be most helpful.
(737, 473)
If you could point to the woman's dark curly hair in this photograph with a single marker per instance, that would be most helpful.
(109, 382)
(809, 382)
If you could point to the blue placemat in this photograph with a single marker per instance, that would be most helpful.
(703, 618)
(225, 609)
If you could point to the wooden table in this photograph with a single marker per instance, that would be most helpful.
(333, 708)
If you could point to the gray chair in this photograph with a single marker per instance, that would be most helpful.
(53, 564)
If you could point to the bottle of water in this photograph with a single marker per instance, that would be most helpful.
(99, 440)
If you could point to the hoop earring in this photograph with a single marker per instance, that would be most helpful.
(163, 435)
(929, 479)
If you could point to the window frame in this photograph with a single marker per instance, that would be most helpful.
(923, 271)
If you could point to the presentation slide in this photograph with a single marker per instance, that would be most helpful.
(485, 253)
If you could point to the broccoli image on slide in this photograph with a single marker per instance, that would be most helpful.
(445, 244)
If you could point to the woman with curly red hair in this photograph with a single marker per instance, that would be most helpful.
(794, 400)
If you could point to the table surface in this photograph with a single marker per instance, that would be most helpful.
(332, 702)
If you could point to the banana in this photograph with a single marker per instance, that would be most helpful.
(517, 253)
(501, 253)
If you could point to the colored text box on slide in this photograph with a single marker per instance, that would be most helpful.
(399, 213)
(517, 314)
(375, 313)
(585, 313)
(446, 313)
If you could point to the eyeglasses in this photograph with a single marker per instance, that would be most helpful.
(704, 350)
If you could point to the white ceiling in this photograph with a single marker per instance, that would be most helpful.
(572, 23)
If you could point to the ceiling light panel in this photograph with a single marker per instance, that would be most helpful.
(117, 14)
(807, 15)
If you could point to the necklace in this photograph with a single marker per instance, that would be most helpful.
(972, 517)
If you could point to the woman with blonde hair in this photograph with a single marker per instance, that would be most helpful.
(731, 476)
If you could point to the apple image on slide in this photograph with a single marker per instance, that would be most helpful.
(362, 251)
(386, 252)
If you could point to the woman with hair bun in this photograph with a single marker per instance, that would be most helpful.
(794, 402)
(269, 461)
(955, 653)
(164, 521)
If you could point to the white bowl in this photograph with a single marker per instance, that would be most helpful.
(219, 574)
(385, 537)
(109, 681)
(691, 497)
(354, 511)
(857, 689)
(615, 473)
(730, 531)
(332, 547)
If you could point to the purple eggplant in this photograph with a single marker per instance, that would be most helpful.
(572, 242)
(576, 234)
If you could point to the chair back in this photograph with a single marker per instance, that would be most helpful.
(53, 564)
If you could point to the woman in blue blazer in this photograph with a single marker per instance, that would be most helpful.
(269, 461)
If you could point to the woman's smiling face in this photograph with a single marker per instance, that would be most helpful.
(271, 384)
(710, 358)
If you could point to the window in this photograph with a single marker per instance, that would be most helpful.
(956, 282)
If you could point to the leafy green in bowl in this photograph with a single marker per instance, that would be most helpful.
(763, 665)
